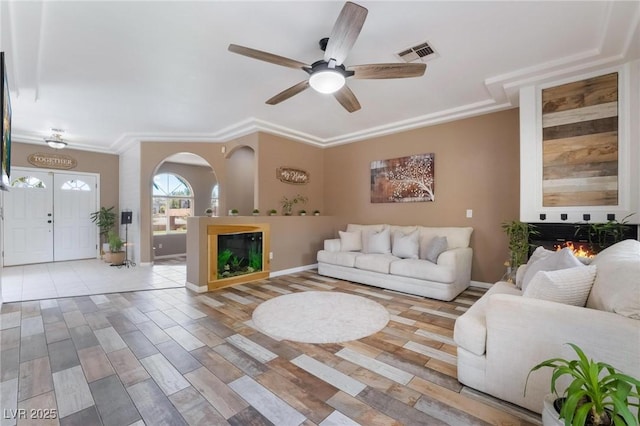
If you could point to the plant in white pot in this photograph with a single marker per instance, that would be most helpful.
(597, 395)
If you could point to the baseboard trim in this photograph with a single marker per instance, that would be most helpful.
(145, 264)
(292, 270)
(480, 284)
(196, 288)
(169, 256)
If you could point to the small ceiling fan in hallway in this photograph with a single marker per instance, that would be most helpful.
(329, 74)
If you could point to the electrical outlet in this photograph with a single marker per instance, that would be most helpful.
(270, 255)
(469, 213)
(160, 245)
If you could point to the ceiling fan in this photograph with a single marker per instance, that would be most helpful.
(329, 74)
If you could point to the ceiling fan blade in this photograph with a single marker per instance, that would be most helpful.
(345, 32)
(380, 71)
(267, 57)
(291, 91)
(347, 99)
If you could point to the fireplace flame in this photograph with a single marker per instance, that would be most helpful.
(578, 250)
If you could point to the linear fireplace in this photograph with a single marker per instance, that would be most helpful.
(237, 254)
(579, 237)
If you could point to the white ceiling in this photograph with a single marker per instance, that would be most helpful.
(113, 73)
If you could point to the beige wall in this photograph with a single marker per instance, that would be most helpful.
(476, 167)
(241, 184)
(275, 152)
(106, 165)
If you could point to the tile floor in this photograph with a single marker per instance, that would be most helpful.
(174, 357)
(87, 277)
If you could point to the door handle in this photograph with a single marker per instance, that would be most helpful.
(49, 221)
(49, 214)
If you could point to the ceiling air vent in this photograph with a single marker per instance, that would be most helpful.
(420, 51)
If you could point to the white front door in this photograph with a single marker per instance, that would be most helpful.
(74, 198)
(47, 217)
(28, 218)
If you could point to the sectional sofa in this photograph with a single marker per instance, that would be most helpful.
(509, 330)
(426, 261)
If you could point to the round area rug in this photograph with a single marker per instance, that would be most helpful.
(320, 317)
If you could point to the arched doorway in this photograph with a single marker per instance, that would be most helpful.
(181, 186)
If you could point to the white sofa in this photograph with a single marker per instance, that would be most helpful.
(504, 334)
(395, 269)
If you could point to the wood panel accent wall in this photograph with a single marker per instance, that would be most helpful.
(580, 143)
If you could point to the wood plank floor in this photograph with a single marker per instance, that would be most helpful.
(172, 357)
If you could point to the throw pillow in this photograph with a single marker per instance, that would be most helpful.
(539, 253)
(434, 248)
(406, 246)
(379, 242)
(562, 259)
(569, 286)
(350, 241)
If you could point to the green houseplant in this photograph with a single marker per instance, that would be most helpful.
(105, 219)
(273, 212)
(115, 247)
(256, 212)
(288, 203)
(603, 235)
(597, 395)
(518, 234)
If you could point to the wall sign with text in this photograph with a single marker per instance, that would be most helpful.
(292, 175)
(52, 161)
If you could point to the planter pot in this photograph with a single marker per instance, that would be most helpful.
(107, 256)
(303, 214)
(316, 214)
(273, 214)
(550, 417)
(117, 258)
(256, 214)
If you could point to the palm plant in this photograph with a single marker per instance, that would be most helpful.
(105, 219)
(602, 399)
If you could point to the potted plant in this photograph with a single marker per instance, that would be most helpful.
(287, 204)
(603, 235)
(208, 211)
(273, 212)
(105, 219)
(518, 234)
(302, 212)
(597, 395)
(316, 212)
(233, 212)
(115, 247)
(256, 212)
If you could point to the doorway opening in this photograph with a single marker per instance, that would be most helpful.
(47, 217)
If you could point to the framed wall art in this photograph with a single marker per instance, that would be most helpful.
(403, 180)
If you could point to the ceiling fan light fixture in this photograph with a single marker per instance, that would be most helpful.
(327, 81)
(55, 141)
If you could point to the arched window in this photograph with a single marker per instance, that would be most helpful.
(214, 199)
(75, 185)
(172, 203)
(28, 182)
